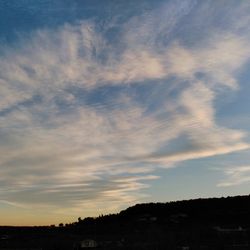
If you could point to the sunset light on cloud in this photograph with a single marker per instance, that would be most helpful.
(100, 102)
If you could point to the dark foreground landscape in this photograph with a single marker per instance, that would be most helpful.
(216, 223)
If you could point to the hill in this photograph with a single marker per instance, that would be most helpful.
(215, 223)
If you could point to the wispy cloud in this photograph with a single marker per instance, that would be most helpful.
(236, 176)
(86, 121)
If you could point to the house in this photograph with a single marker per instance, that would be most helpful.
(229, 230)
(86, 244)
(147, 218)
(4, 237)
(236, 238)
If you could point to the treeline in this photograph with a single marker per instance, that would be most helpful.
(215, 223)
(227, 211)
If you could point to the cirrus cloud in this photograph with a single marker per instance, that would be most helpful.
(86, 121)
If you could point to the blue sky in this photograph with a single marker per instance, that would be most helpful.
(104, 104)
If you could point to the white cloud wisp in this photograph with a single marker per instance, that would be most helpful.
(76, 129)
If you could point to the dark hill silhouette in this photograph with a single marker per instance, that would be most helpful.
(230, 210)
(214, 223)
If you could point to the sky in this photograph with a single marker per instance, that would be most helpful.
(105, 104)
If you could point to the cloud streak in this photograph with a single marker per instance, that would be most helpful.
(236, 176)
(84, 120)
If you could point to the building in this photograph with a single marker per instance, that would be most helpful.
(88, 243)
